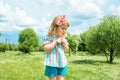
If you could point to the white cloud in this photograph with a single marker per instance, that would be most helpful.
(16, 18)
(42, 27)
(86, 8)
(16, 15)
(100, 2)
(77, 10)
(84, 14)
(115, 10)
(23, 19)
(4, 9)
(51, 2)
(80, 28)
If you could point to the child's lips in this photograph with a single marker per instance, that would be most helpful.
(63, 33)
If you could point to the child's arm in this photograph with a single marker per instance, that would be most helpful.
(64, 43)
(66, 47)
(49, 47)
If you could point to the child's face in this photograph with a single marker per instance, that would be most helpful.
(61, 31)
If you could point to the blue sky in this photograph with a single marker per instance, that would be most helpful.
(16, 15)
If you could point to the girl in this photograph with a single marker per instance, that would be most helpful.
(55, 44)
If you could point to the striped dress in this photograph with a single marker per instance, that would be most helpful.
(55, 58)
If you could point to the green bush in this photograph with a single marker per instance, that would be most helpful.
(28, 41)
(3, 47)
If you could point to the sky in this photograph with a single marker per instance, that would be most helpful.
(17, 15)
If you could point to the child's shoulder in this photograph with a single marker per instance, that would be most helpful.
(49, 36)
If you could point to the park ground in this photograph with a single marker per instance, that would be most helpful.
(82, 66)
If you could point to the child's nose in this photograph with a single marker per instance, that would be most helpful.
(64, 30)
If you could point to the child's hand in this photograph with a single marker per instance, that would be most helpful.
(59, 40)
(64, 41)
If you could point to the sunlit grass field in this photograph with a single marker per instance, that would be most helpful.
(18, 66)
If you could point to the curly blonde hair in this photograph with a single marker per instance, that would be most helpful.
(54, 26)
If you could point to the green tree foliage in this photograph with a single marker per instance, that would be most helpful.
(89, 40)
(82, 45)
(3, 47)
(105, 37)
(73, 41)
(12, 47)
(28, 41)
(7, 47)
(41, 48)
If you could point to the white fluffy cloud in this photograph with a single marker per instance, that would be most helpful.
(51, 2)
(115, 10)
(14, 18)
(18, 19)
(23, 20)
(86, 8)
(84, 13)
(4, 9)
(16, 15)
(100, 2)
(80, 13)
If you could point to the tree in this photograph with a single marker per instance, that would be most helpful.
(41, 47)
(69, 39)
(82, 45)
(73, 41)
(28, 41)
(105, 37)
(12, 47)
(3, 47)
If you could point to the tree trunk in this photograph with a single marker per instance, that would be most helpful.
(105, 54)
(111, 55)
(75, 51)
(69, 51)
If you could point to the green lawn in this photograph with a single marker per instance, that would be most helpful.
(17, 66)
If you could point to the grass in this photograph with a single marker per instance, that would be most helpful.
(18, 66)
